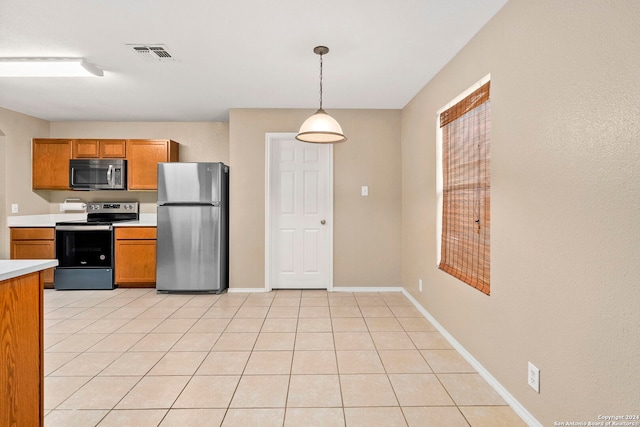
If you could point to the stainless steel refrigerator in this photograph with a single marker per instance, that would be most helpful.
(193, 227)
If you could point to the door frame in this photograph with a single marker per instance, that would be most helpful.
(270, 137)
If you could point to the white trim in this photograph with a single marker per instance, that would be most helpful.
(439, 183)
(267, 211)
(484, 373)
(330, 216)
(368, 289)
(269, 137)
(245, 290)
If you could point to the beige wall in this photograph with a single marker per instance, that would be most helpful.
(199, 142)
(15, 178)
(366, 229)
(565, 197)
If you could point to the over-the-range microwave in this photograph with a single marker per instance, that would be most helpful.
(98, 174)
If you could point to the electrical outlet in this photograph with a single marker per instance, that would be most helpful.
(14, 208)
(420, 285)
(533, 377)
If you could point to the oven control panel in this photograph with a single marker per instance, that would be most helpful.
(113, 207)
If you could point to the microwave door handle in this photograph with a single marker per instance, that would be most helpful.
(73, 176)
(110, 176)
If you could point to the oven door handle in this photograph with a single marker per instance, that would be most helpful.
(83, 227)
(110, 176)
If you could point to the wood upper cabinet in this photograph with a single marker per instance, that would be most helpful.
(113, 149)
(86, 149)
(99, 148)
(143, 156)
(135, 256)
(51, 159)
(50, 166)
(34, 243)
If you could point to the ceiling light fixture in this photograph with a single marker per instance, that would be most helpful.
(320, 127)
(48, 67)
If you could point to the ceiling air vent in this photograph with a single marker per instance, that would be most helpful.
(152, 52)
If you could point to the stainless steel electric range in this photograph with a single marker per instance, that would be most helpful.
(85, 249)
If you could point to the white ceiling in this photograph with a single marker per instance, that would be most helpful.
(231, 54)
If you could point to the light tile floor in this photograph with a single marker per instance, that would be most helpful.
(132, 357)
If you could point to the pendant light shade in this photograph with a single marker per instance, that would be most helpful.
(321, 128)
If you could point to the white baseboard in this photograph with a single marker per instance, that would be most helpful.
(368, 289)
(484, 373)
(334, 289)
(245, 290)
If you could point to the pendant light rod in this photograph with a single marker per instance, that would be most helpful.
(321, 50)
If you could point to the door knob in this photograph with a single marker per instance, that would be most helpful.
(323, 222)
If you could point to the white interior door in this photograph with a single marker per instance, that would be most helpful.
(299, 214)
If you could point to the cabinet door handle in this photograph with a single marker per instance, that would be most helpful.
(323, 222)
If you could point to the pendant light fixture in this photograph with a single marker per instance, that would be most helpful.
(321, 128)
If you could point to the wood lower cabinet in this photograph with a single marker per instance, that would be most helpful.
(135, 256)
(22, 355)
(143, 156)
(34, 243)
(50, 164)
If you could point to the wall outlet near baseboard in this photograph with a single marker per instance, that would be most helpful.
(533, 377)
(420, 285)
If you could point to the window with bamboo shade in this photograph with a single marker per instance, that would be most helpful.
(466, 186)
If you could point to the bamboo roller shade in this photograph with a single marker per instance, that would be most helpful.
(466, 190)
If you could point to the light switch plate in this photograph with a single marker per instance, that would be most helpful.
(365, 190)
(14, 208)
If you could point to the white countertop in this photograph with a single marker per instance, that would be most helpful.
(49, 220)
(46, 220)
(10, 269)
(146, 220)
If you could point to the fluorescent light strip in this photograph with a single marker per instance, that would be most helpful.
(48, 67)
